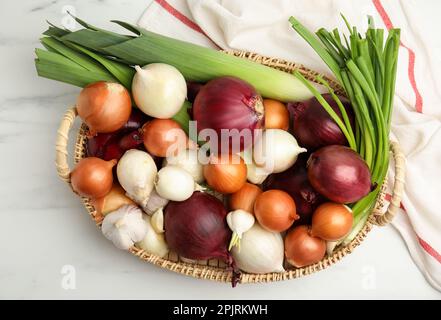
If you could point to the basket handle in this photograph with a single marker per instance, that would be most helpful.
(398, 187)
(61, 144)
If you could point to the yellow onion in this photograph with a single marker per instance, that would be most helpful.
(226, 174)
(244, 198)
(276, 115)
(104, 106)
(275, 210)
(92, 177)
(303, 249)
(331, 221)
(112, 201)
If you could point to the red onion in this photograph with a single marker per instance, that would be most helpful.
(312, 125)
(295, 182)
(232, 104)
(136, 120)
(193, 89)
(196, 228)
(339, 173)
(125, 138)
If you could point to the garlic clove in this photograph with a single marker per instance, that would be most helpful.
(157, 221)
(153, 242)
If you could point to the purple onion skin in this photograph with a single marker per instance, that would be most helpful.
(193, 89)
(136, 120)
(295, 182)
(339, 174)
(228, 103)
(196, 228)
(313, 127)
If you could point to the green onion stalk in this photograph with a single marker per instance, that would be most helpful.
(365, 67)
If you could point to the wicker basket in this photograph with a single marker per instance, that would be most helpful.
(214, 269)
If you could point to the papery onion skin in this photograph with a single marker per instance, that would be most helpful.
(226, 174)
(302, 249)
(313, 127)
(162, 136)
(193, 89)
(275, 210)
(112, 201)
(294, 181)
(276, 115)
(104, 106)
(232, 104)
(331, 221)
(97, 145)
(339, 174)
(245, 198)
(196, 228)
(92, 177)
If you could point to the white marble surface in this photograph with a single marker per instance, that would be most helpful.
(44, 226)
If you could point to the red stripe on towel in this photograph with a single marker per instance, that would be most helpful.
(178, 15)
(411, 65)
(426, 247)
(183, 18)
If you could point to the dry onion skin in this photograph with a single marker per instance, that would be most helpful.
(112, 201)
(104, 106)
(245, 198)
(331, 221)
(275, 210)
(302, 249)
(276, 115)
(226, 174)
(164, 137)
(92, 177)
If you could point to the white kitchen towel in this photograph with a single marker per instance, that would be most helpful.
(262, 26)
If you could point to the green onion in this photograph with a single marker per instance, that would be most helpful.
(366, 69)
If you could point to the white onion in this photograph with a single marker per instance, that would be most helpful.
(261, 251)
(188, 160)
(276, 151)
(174, 183)
(136, 173)
(159, 90)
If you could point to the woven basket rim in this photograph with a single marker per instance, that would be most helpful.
(215, 270)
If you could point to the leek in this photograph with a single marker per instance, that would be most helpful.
(115, 51)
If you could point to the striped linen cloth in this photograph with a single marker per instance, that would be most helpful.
(261, 26)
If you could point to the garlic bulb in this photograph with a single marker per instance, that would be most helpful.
(136, 173)
(158, 221)
(153, 242)
(187, 159)
(261, 251)
(276, 150)
(174, 183)
(159, 90)
(155, 202)
(124, 226)
(239, 222)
